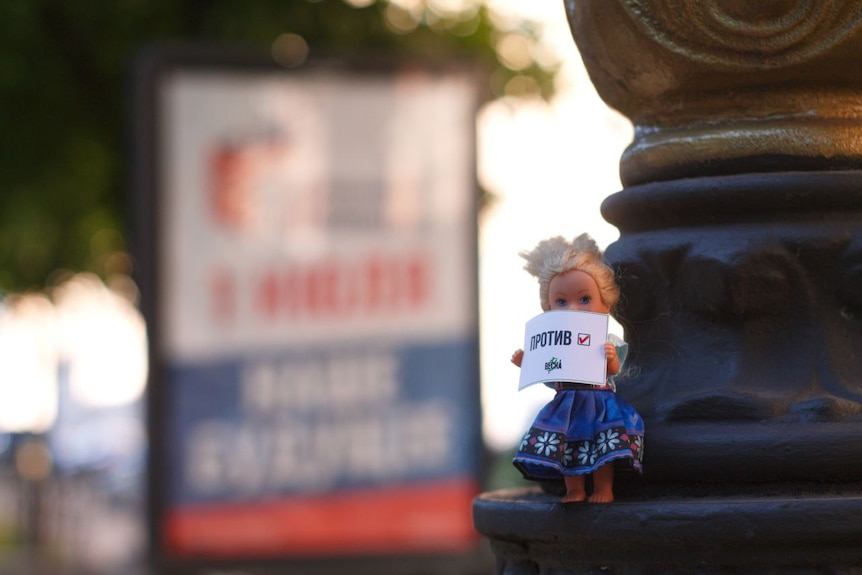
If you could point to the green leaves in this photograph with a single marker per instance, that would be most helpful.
(62, 89)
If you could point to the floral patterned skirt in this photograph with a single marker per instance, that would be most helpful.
(579, 431)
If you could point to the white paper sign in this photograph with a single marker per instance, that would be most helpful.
(565, 346)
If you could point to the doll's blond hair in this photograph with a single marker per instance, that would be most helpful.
(556, 255)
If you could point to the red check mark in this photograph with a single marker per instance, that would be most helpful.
(583, 339)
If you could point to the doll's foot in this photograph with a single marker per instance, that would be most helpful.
(603, 496)
(574, 496)
(575, 489)
(603, 483)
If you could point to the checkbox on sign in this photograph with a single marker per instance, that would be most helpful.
(583, 339)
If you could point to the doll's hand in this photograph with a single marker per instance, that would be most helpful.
(613, 359)
(518, 357)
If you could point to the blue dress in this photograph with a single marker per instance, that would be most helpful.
(582, 429)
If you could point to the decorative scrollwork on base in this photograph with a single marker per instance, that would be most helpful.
(747, 34)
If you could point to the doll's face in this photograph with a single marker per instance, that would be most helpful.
(577, 291)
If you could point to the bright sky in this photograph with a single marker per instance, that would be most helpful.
(97, 333)
(551, 167)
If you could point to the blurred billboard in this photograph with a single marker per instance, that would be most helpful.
(306, 248)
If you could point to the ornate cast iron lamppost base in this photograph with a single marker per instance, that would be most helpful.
(743, 307)
(740, 263)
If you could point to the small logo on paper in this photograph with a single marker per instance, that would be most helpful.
(583, 339)
(553, 364)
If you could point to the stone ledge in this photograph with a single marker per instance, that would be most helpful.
(531, 532)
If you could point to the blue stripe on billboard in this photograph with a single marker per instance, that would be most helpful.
(343, 418)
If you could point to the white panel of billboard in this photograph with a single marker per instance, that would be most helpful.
(315, 209)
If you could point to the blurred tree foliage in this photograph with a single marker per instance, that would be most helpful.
(63, 68)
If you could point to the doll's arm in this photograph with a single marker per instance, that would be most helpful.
(613, 359)
(518, 357)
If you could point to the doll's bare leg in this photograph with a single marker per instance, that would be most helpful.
(603, 481)
(574, 489)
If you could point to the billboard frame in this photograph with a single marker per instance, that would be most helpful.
(148, 70)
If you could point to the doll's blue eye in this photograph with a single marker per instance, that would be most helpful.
(585, 299)
(561, 303)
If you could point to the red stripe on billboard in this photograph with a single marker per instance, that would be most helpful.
(430, 517)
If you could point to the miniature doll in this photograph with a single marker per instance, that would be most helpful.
(585, 429)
